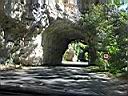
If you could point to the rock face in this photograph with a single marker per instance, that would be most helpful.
(35, 16)
(22, 23)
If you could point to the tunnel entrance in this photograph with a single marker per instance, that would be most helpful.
(58, 37)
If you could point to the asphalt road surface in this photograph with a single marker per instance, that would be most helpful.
(59, 81)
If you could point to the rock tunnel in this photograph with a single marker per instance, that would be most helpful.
(56, 39)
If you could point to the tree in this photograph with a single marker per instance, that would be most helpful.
(108, 29)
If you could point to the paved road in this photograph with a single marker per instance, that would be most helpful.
(74, 63)
(59, 81)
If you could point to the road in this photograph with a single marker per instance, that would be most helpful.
(59, 81)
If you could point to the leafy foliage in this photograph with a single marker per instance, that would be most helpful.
(108, 31)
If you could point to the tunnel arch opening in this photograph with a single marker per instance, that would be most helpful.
(56, 39)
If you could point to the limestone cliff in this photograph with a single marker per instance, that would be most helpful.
(22, 23)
